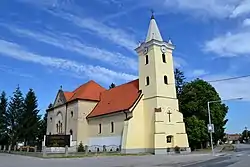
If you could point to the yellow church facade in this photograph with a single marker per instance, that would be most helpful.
(138, 116)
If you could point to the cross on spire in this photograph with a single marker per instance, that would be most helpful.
(152, 12)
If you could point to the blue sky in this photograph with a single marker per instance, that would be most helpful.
(48, 43)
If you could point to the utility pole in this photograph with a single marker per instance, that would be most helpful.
(210, 125)
(246, 134)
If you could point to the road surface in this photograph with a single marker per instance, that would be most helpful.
(241, 158)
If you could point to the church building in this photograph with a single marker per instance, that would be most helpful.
(138, 116)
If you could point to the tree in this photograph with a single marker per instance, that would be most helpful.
(42, 128)
(30, 118)
(179, 80)
(197, 132)
(3, 121)
(80, 147)
(112, 86)
(245, 135)
(193, 102)
(14, 116)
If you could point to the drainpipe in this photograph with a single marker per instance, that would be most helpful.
(66, 118)
(126, 115)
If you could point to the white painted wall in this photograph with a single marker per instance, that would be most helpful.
(107, 141)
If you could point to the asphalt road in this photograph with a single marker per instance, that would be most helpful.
(241, 158)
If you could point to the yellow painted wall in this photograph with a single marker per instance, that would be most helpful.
(149, 117)
(175, 127)
(156, 69)
(134, 136)
(84, 108)
(160, 95)
(105, 121)
(163, 69)
(72, 121)
(147, 70)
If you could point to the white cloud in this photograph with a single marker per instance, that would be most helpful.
(196, 73)
(246, 22)
(49, 3)
(210, 8)
(179, 62)
(230, 45)
(115, 35)
(243, 8)
(238, 88)
(98, 73)
(72, 44)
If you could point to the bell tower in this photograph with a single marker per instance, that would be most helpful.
(156, 70)
(156, 80)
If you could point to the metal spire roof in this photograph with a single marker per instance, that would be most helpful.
(153, 31)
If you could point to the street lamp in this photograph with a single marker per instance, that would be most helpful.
(210, 125)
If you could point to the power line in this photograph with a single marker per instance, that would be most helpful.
(231, 78)
(221, 80)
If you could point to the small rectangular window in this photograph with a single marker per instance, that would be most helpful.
(164, 58)
(112, 127)
(147, 81)
(100, 128)
(169, 139)
(146, 59)
(165, 79)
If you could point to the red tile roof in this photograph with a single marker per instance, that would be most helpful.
(68, 95)
(110, 101)
(117, 99)
(88, 91)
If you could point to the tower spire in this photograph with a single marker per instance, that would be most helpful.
(153, 31)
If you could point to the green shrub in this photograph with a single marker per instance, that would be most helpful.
(177, 149)
(80, 148)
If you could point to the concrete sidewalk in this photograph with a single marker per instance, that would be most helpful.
(123, 161)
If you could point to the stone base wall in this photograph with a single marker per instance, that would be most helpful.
(170, 151)
(60, 149)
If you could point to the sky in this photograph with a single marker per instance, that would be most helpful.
(48, 43)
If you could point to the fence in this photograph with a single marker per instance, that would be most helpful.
(61, 151)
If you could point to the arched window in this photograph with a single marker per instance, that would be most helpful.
(146, 59)
(164, 58)
(71, 132)
(100, 128)
(147, 81)
(61, 127)
(165, 79)
(112, 127)
(50, 119)
(57, 128)
(72, 114)
(169, 139)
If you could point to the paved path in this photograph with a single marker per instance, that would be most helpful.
(125, 161)
(240, 158)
